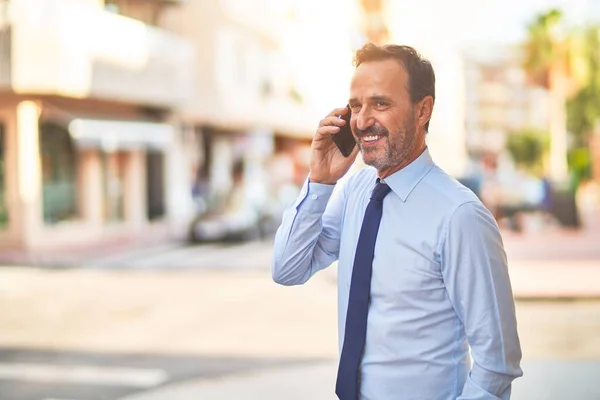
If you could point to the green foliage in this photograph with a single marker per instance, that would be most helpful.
(583, 110)
(544, 46)
(549, 51)
(580, 164)
(296, 95)
(527, 148)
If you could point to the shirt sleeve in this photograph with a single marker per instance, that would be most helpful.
(476, 276)
(308, 239)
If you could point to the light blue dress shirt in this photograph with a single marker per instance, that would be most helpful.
(440, 282)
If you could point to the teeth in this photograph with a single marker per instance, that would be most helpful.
(370, 138)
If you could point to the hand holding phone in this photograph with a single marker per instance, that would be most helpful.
(344, 139)
(332, 149)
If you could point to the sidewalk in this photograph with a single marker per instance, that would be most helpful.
(76, 255)
(558, 279)
(225, 313)
(554, 263)
(556, 380)
(314, 382)
(545, 264)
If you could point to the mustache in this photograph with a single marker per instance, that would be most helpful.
(372, 130)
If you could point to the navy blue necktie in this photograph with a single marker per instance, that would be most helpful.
(348, 386)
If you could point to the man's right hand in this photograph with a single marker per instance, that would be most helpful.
(327, 164)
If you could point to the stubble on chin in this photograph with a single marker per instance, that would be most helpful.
(379, 157)
(387, 155)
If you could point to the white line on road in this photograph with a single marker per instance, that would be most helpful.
(56, 399)
(86, 374)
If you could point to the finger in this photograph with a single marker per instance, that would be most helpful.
(328, 130)
(332, 121)
(336, 113)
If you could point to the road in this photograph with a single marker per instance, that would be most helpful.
(207, 322)
(177, 256)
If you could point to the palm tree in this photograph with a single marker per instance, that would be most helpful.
(551, 61)
(583, 109)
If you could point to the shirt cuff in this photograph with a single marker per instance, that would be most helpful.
(314, 196)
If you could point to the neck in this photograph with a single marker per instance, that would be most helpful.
(412, 156)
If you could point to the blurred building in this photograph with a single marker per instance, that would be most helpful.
(415, 25)
(89, 150)
(499, 98)
(265, 77)
(120, 118)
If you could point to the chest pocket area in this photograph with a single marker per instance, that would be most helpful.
(404, 262)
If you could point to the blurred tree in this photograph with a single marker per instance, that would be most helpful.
(527, 148)
(583, 110)
(580, 162)
(553, 61)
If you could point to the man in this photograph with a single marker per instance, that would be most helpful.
(435, 282)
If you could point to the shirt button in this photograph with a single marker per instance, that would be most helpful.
(314, 196)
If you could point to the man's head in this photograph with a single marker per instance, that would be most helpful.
(391, 98)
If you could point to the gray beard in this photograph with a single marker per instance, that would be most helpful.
(395, 151)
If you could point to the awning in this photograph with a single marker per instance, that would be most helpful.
(111, 135)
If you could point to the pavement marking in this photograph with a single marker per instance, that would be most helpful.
(121, 258)
(176, 257)
(206, 255)
(86, 374)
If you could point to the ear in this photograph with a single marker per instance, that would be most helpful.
(423, 110)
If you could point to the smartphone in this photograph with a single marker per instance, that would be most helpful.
(344, 140)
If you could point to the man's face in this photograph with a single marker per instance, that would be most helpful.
(383, 117)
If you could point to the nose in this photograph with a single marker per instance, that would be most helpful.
(364, 119)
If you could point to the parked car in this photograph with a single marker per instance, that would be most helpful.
(239, 219)
(235, 226)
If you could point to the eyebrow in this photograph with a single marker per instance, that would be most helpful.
(376, 97)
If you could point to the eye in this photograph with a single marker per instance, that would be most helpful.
(381, 104)
(355, 107)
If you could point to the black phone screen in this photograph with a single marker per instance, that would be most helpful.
(344, 140)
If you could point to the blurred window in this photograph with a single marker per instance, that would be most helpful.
(59, 174)
(155, 184)
(3, 209)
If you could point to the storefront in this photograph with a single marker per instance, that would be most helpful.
(67, 180)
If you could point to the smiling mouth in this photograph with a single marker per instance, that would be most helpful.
(371, 138)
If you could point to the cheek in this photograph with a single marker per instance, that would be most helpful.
(400, 118)
(391, 120)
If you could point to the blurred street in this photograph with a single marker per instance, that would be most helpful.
(207, 322)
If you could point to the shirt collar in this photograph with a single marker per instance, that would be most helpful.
(402, 182)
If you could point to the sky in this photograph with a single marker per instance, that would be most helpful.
(465, 22)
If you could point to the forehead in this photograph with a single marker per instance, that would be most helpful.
(385, 77)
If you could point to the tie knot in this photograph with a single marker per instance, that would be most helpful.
(381, 190)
